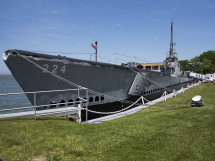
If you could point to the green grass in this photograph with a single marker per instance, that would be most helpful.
(156, 133)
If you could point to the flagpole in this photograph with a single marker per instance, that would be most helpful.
(96, 50)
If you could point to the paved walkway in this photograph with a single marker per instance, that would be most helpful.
(58, 111)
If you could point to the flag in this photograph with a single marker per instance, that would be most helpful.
(94, 46)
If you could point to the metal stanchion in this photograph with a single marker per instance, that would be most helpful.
(35, 106)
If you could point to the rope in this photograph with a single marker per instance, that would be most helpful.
(114, 111)
(137, 103)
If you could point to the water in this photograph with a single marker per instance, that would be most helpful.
(9, 85)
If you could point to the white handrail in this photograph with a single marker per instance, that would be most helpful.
(35, 106)
(63, 90)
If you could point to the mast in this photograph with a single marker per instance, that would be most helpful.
(171, 50)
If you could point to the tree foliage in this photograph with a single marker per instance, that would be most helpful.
(204, 64)
(184, 65)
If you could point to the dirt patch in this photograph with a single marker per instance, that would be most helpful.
(39, 158)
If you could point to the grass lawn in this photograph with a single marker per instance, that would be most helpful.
(156, 133)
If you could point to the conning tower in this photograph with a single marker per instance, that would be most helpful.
(171, 65)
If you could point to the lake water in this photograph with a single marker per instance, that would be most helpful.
(9, 85)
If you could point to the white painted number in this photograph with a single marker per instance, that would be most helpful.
(54, 68)
(63, 69)
(46, 66)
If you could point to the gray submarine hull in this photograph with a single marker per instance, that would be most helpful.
(116, 81)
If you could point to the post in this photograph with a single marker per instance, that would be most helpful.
(142, 100)
(96, 49)
(87, 105)
(78, 91)
(66, 109)
(79, 113)
(174, 92)
(35, 108)
(165, 95)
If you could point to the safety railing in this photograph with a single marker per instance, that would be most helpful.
(77, 110)
(68, 108)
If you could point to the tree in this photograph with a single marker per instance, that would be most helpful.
(204, 64)
(184, 65)
(195, 64)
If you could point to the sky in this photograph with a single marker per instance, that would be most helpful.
(134, 28)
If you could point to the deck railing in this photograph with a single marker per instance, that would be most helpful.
(58, 111)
